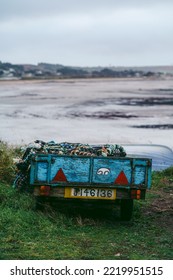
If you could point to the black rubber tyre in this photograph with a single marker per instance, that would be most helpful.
(39, 203)
(126, 209)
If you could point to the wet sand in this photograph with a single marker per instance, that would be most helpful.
(137, 111)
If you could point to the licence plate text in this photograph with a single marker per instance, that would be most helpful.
(90, 193)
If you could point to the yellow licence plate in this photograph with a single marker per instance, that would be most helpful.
(90, 193)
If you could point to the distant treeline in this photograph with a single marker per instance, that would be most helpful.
(47, 70)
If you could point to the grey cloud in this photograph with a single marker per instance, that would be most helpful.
(39, 8)
(87, 32)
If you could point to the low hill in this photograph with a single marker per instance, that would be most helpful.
(47, 70)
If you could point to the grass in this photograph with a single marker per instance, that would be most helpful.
(61, 232)
(7, 168)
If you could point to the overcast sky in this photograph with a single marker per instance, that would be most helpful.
(87, 32)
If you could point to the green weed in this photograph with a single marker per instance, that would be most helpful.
(68, 232)
(7, 167)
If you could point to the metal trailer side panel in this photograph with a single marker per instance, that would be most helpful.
(51, 169)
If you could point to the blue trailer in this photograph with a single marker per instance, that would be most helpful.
(90, 178)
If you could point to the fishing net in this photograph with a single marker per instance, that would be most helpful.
(71, 149)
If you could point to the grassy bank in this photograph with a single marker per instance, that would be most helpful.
(61, 232)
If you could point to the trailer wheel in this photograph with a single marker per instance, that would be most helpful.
(126, 209)
(39, 203)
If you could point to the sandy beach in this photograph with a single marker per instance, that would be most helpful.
(129, 111)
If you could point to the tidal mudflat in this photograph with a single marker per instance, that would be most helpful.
(131, 111)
